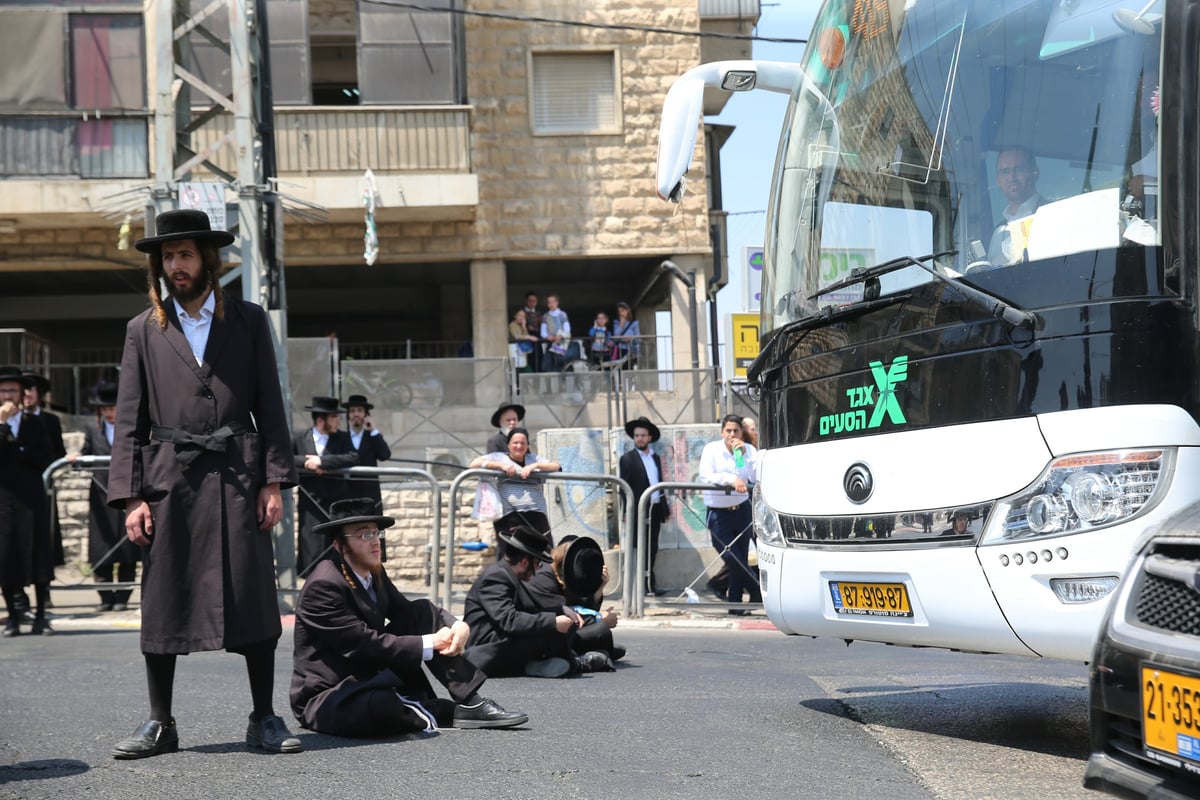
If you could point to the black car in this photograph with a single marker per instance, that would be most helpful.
(1145, 674)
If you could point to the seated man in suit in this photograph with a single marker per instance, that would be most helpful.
(511, 634)
(360, 645)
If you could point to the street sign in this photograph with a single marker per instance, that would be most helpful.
(207, 196)
(743, 342)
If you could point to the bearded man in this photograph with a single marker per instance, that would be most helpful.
(199, 456)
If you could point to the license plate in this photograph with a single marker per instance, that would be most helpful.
(870, 599)
(1170, 713)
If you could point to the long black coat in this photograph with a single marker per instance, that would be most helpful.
(348, 645)
(317, 493)
(508, 626)
(208, 577)
(25, 557)
(57, 450)
(106, 525)
(372, 449)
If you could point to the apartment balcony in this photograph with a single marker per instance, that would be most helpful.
(58, 166)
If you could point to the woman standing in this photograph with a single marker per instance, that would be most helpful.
(730, 462)
(106, 526)
(520, 489)
(625, 334)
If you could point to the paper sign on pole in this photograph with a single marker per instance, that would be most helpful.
(207, 196)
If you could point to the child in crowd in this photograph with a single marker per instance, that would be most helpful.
(600, 336)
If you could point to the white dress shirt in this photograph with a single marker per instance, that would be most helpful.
(357, 437)
(320, 440)
(651, 472)
(109, 428)
(196, 330)
(717, 465)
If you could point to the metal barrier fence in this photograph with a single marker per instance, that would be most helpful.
(637, 570)
(624, 529)
(285, 554)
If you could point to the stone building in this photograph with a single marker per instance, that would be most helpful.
(509, 153)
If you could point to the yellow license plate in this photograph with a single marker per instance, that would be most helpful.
(870, 599)
(1170, 712)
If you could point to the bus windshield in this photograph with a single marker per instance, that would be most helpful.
(1010, 133)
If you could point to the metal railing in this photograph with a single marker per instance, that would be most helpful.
(624, 529)
(636, 571)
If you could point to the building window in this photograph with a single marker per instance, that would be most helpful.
(79, 108)
(575, 92)
(407, 56)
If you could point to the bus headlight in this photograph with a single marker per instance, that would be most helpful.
(766, 521)
(1083, 492)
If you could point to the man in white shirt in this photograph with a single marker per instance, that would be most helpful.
(322, 447)
(360, 645)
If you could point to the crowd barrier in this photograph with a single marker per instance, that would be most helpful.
(625, 525)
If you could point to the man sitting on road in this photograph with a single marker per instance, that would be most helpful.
(510, 633)
(360, 645)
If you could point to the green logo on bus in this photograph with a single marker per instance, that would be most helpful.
(882, 394)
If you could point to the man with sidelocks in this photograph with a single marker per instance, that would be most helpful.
(360, 645)
(199, 456)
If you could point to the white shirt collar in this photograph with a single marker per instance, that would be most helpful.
(207, 309)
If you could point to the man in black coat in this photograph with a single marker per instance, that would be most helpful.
(322, 447)
(372, 449)
(504, 419)
(360, 645)
(106, 525)
(25, 554)
(199, 457)
(36, 389)
(511, 634)
(641, 468)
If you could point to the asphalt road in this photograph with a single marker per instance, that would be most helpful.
(693, 713)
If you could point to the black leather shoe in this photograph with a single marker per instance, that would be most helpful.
(487, 715)
(270, 734)
(120, 607)
(595, 661)
(715, 590)
(151, 739)
(11, 628)
(41, 627)
(617, 652)
(103, 607)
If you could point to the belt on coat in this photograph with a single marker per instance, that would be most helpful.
(189, 446)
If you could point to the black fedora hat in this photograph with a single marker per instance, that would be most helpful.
(528, 541)
(185, 223)
(583, 567)
(324, 405)
(352, 511)
(358, 400)
(520, 409)
(642, 422)
(11, 373)
(37, 381)
(103, 393)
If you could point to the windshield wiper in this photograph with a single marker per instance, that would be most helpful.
(827, 315)
(1013, 315)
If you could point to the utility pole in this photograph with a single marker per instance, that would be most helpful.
(259, 214)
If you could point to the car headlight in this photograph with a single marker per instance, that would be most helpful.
(1083, 492)
(766, 521)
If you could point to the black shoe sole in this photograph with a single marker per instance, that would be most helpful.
(130, 755)
(484, 723)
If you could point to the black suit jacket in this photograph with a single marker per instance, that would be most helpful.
(633, 471)
(24, 557)
(500, 609)
(339, 453)
(372, 449)
(343, 639)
